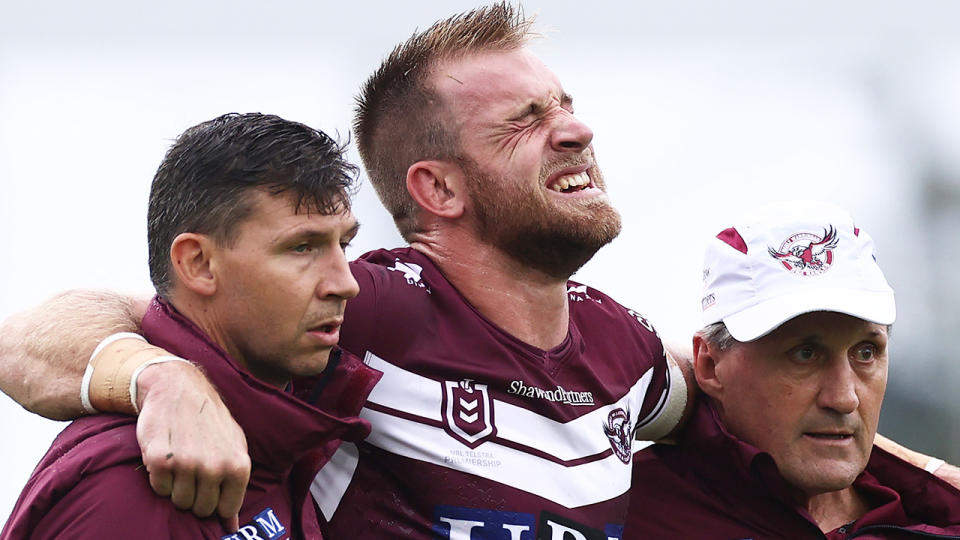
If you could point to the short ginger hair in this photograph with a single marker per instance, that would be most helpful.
(400, 119)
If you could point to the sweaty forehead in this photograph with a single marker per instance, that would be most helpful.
(496, 79)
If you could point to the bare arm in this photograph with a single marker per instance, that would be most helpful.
(44, 350)
(192, 448)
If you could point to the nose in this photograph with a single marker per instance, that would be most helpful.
(839, 387)
(570, 134)
(339, 280)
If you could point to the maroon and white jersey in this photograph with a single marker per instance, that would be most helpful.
(476, 434)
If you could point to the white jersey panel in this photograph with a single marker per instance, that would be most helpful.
(561, 462)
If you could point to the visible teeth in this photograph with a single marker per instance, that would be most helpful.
(573, 180)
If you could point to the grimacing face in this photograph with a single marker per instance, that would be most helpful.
(282, 288)
(536, 191)
(809, 394)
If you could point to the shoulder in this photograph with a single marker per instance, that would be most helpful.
(594, 313)
(92, 484)
(585, 302)
(398, 290)
(669, 500)
(920, 490)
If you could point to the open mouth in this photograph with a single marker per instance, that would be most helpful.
(325, 328)
(571, 183)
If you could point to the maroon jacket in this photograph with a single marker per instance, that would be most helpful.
(714, 486)
(91, 483)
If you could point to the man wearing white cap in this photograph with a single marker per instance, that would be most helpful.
(792, 362)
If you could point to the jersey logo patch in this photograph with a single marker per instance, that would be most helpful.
(619, 430)
(806, 253)
(263, 526)
(458, 523)
(411, 272)
(468, 412)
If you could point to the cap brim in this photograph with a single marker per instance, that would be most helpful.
(761, 319)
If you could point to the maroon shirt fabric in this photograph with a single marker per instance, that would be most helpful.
(477, 435)
(714, 486)
(91, 483)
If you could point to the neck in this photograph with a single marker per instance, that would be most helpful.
(836, 508)
(526, 303)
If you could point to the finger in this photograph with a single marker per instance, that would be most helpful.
(162, 482)
(208, 493)
(231, 496)
(231, 524)
(184, 490)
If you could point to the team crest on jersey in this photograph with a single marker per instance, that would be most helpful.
(619, 430)
(468, 412)
(806, 253)
(411, 272)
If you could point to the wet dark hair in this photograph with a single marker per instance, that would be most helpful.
(206, 178)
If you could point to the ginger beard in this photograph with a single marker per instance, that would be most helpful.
(553, 233)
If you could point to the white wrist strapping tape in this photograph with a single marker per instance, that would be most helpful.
(88, 374)
(669, 417)
(141, 367)
(933, 465)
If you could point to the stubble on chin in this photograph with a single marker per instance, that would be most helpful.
(556, 242)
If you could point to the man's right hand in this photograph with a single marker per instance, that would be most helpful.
(194, 451)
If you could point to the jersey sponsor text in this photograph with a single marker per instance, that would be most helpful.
(558, 395)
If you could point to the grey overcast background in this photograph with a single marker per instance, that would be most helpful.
(701, 110)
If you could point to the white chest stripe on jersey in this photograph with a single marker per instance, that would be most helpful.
(562, 464)
(415, 395)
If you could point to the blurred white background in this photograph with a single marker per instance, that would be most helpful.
(701, 110)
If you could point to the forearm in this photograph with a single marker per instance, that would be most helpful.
(44, 350)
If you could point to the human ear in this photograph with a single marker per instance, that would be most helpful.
(705, 367)
(437, 187)
(190, 259)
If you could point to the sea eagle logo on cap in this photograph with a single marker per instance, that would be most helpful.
(807, 254)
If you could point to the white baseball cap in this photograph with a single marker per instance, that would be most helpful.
(788, 259)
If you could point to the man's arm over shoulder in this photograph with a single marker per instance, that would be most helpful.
(44, 350)
(194, 451)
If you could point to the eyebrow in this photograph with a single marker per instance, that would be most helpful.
(308, 233)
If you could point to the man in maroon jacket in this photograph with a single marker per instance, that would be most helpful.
(247, 221)
(793, 365)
